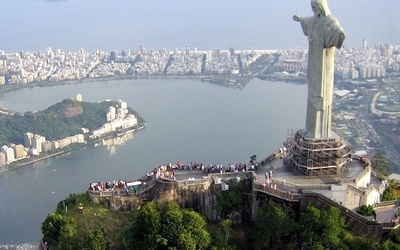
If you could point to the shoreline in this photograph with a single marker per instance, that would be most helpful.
(201, 78)
(77, 146)
(6, 168)
(85, 80)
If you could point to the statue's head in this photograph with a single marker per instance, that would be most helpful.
(320, 7)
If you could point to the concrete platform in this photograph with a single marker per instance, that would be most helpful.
(333, 187)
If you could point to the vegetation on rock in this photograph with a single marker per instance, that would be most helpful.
(366, 210)
(167, 227)
(80, 223)
(380, 164)
(392, 192)
(87, 218)
(58, 121)
(232, 201)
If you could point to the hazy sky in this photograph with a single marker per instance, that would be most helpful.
(206, 24)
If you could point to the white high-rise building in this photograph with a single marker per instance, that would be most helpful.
(123, 105)
(112, 113)
(37, 141)
(46, 146)
(78, 97)
(3, 160)
(28, 139)
(9, 155)
(365, 44)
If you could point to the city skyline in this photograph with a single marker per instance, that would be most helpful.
(51, 65)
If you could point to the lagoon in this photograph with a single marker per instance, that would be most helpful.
(187, 120)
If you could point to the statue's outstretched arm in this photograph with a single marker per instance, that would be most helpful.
(296, 18)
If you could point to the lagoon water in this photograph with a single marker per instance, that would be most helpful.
(187, 120)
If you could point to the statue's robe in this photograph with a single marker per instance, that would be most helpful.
(324, 36)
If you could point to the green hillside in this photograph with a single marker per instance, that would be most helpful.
(58, 121)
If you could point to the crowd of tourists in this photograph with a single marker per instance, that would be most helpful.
(107, 186)
(116, 185)
(167, 171)
(211, 168)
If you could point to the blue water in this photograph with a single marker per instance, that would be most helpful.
(187, 120)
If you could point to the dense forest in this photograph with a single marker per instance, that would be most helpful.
(56, 122)
(89, 225)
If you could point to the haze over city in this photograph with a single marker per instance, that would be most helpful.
(107, 25)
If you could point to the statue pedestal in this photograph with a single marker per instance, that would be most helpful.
(316, 156)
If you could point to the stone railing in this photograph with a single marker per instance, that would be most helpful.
(206, 180)
(122, 191)
(393, 224)
(388, 203)
(299, 188)
(270, 158)
(347, 181)
(286, 195)
(194, 182)
(379, 176)
(363, 174)
(343, 209)
(231, 175)
(366, 163)
(108, 193)
(149, 184)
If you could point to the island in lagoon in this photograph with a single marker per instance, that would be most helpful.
(61, 128)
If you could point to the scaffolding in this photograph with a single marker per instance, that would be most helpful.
(316, 156)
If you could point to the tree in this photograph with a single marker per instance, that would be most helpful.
(393, 240)
(389, 245)
(68, 236)
(230, 201)
(392, 192)
(380, 163)
(172, 223)
(274, 228)
(51, 227)
(96, 240)
(361, 242)
(59, 231)
(227, 227)
(388, 194)
(196, 226)
(183, 229)
(253, 159)
(167, 227)
(145, 231)
(366, 210)
(321, 228)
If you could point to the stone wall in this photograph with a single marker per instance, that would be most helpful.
(356, 223)
(199, 195)
(121, 203)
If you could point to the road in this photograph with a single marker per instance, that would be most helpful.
(366, 115)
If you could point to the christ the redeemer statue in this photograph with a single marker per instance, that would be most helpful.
(324, 36)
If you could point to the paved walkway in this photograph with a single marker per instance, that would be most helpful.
(385, 213)
(287, 181)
